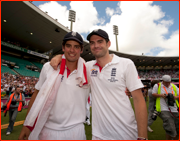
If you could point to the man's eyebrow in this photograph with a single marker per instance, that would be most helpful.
(67, 44)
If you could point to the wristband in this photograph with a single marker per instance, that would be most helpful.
(30, 128)
(141, 138)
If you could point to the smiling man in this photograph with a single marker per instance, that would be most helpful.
(57, 109)
(112, 114)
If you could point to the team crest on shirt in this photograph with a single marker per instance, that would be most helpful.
(94, 72)
(113, 74)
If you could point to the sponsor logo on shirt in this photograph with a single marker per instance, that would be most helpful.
(94, 72)
(113, 74)
(113, 79)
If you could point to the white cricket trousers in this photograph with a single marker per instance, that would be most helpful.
(75, 133)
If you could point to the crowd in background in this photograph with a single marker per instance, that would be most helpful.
(157, 74)
(10, 81)
(27, 84)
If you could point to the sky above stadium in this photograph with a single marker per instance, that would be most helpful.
(148, 27)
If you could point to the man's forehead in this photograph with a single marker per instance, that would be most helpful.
(96, 37)
(72, 42)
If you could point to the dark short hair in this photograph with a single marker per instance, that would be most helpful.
(154, 82)
(107, 40)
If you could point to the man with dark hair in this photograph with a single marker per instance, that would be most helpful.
(14, 104)
(57, 108)
(167, 96)
(112, 114)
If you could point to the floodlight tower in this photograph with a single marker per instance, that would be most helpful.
(72, 17)
(115, 31)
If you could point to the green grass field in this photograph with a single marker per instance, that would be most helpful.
(158, 134)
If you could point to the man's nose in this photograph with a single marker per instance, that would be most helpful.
(72, 49)
(95, 45)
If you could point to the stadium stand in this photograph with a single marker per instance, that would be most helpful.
(37, 64)
(22, 70)
(7, 69)
(26, 72)
(14, 59)
(157, 74)
(10, 81)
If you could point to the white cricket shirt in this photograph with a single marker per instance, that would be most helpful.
(112, 113)
(69, 108)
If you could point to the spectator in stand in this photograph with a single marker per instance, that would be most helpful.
(157, 74)
(2, 88)
(10, 81)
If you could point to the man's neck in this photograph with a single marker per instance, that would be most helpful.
(104, 60)
(71, 65)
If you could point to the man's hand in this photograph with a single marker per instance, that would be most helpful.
(128, 93)
(176, 97)
(163, 96)
(18, 100)
(25, 132)
(55, 61)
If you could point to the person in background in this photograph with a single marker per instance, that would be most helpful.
(167, 106)
(152, 103)
(14, 104)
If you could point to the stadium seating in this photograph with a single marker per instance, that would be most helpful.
(37, 65)
(22, 70)
(14, 59)
(7, 69)
(26, 72)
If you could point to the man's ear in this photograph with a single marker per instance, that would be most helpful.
(81, 50)
(109, 43)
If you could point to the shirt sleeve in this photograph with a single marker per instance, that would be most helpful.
(133, 82)
(42, 77)
(155, 89)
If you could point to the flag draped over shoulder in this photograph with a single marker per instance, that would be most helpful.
(45, 98)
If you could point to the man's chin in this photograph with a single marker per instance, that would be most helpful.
(72, 60)
(98, 55)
